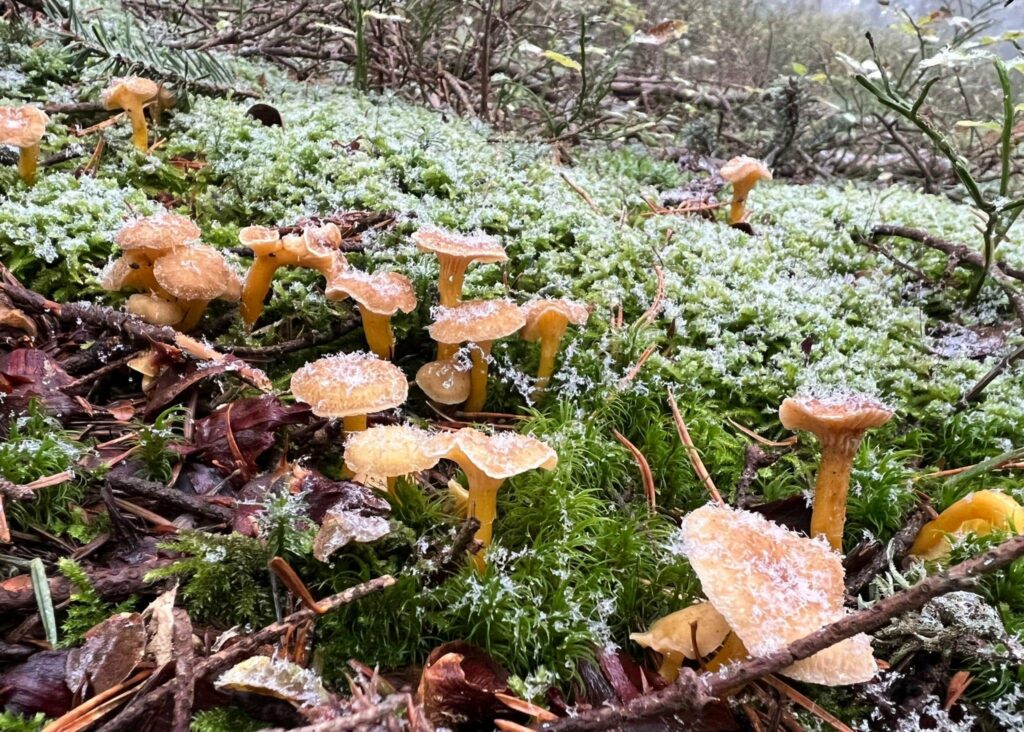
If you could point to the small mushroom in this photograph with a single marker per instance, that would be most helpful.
(774, 586)
(378, 296)
(144, 240)
(314, 249)
(155, 309)
(23, 127)
(839, 423)
(391, 451)
(480, 322)
(444, 382)
(743, 172)
(350, 386)
(547, 321)
(673, 636)
(487, 461)
(455, 252)
(196, 275)
(132, 94)
(980, 513)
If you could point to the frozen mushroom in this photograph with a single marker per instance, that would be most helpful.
(23, 128)
(155, 309)
(774, 586)
(350, 386)
(143, 240)
(979, 513)
(489, 460)
(455, 252)
(839, 423)
(547, 322)
(673, 636)
(378, 296)
(744, 173)
(480, 322)
(392, 451)
(444, 382)
(132, 94)
(194, 276)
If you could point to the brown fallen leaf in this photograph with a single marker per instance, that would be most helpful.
(111, 651)
(459, 686)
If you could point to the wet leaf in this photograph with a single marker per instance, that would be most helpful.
(562, 60)
(37, 686)
(659, 35)
(31, 374)
(159, 618)
(342, 526)
(276, 678)
(111, 652)
(459, 684)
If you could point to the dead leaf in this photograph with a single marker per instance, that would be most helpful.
(275, 678)
(110, 653)
(342, 526)
(14, 318)
(459, 686)
(159, 618)
(662, 33)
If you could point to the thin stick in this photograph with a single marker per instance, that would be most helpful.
(645, 468)
(691, 451)
(795, 696)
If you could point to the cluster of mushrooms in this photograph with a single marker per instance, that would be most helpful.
(793, 585)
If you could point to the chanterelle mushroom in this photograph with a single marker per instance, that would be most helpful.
(744, 173)
(315, 249)
(774, 586)
(195, 275)
(378, 296)
(547, 321)
(480, 322)
(391, 451)
(839, 423)
(981, 513)
(445, 382)
(23, 127)
(673, 635)
(487, 461)
(144, 240)
(350, 386)
(455, 252)
(132, 94)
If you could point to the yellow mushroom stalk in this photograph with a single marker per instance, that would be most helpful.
(194, 276)
(744, 173)
(132, 94)
(839, 424)
(23, 127)
(378, 296)
(455, 252)
(547, 322)
(980, 513)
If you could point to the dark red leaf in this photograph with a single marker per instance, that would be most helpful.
(37, 686)
(458, 685)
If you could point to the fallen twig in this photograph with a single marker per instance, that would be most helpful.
(168, 496)
(691, 451)
(645, 469)
(692, 692)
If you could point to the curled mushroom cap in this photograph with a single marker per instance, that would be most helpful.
(23, 127)
(445, 381)
(349, 385)
(673, 636)
(502, 455)
(383, 293)
(773, 587)
(158, 233)
(834, 420)
(155, 309)
(540, 313)
(476, 321)
(394, 450)
(455, 252)
(131, 94)
(197, 273)
(261, 239)
(744, 167)
(980, 513)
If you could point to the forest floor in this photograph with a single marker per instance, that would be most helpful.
(170, 483)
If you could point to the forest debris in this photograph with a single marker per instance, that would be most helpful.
(459, 686)
(646, 477)
(896, 551)
(276, 678)
(342, 526)
(37, 685)
(691, 451)
(121, 480)
(112, 650)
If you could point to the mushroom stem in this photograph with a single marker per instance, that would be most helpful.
(829, 513)
(356, 423)
(732, 650)
(482, 504)
(194, 310)
(669, 668)
(481, 356)
(738, 207)
(379, 336)
(549, 344)
(256, 287)
(392, 482)
(27, 163)
(446, 351)
(140, 133)
(449, 284)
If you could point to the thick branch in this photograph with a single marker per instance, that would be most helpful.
(692, 692)
(168, 496)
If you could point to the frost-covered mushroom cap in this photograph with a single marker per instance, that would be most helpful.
(160, 232)
(840, 414)
(349, 385)
(502, 455)
(327, 236)
(537, 312)
(116, 273)
(261, 239)
(22, 126)
(476, 321)
(475, 247)
(774, 586)
(394, 450)
(382, 293)
(744, 167)
(197, 273)
(128, 92)
(154, 309)
(444, 381)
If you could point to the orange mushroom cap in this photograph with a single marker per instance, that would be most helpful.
(745, 168)
(501, 455)
(158, 233)
(538, 312)
(22, 127)
(774, 586)
(349, 384)
(473, 247)
(834, 419)
(445, 381)
(261, 239)
(383, 293)
(197, 273)
(131, 91)
(392, 450)
(476, 321)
